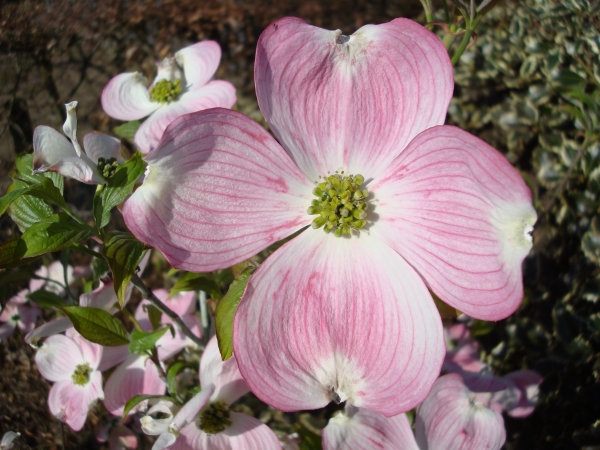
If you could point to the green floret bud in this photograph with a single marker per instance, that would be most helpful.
(340, 204)
(107, 167)
(165, 91)
(81, 376)
(215, 418)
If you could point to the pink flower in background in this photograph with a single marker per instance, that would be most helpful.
(407, 205)
(137, 374)
(119, 437)
(71, 362)
(450, 418)
(52, 152)
(182, 85)
(206, 422)
(18, 312)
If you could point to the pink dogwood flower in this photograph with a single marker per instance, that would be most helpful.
(18, 312)
(182, 85)
(450, 418)
(52, 152)
(137, 374)
(71, 362)
(206, 422)
(399, 204)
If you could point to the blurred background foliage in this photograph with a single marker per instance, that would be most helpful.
(529, 85)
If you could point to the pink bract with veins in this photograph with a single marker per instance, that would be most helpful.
(349, 318)
(126, 96)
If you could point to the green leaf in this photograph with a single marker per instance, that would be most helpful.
(27, 210)
(225, 312)
(135, 400)
(173, 371)
(54, 233)
(24, 171)
(12, 253)
(119, 186)
(127, 130)
(154, 315)
(196, 282)
(97, 325)
(45, 190)
(123, 252)
(47, 299)
(142, 341)
(481, 328)
(568, 79)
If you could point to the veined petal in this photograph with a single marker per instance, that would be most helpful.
(58, 357)
(154, 426)
(351, 102)
(104, 297)
(244, 433)
(91, 352)
(51, 328)
(192, 408)
(111, 356)
(224, 374)
(67, 403)
(126, 97)
(200, 62)
(216, 94)
(49, 147)
(219, 190)
(70, 126)
(136, 375)
(361, 429)
(327, 318)
(450, 418)
(456, 209)
(98, 145)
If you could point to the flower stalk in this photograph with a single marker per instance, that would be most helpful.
(149, 295)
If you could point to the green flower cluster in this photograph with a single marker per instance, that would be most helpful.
(165, 91)
(215, 418)
(107, 167)
(81, 376)
(341, 204)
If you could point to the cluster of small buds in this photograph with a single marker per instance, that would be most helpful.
(215, 418)
(165, 91)
(341, 204)
(107, 167)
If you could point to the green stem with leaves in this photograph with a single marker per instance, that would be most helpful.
(149, 295)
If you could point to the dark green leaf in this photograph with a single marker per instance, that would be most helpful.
(127, 130)
(47, 299)
(24, 171)
(173, 371)
(309, 439)
(225, 312)
(137, 399)
(142, 341)
(12, 253)
(123, 252)
(119, 186)
(97, 325)
(568, 79)
(27, 210)
(481, 328)
(154, 315)
(54, 233)
(196, 282)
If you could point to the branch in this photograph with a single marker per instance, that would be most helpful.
(148, 295)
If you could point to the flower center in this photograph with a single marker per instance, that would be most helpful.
(165, 91)
(15, 317)
(81, 376)
(107, 167)
(341, 206)
(215, 418)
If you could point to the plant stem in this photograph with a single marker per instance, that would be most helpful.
(428, 14)
(148, 295)
(463, 45)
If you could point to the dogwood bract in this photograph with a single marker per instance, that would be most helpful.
(52, 152)
(71, 361)
(206, 422)
(181, 86)
(398, 204)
